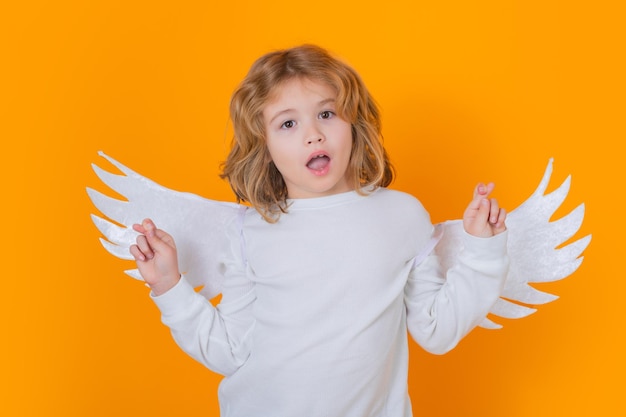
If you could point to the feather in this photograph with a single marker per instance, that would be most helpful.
(533, 247)
(197, 224)
(536, 246)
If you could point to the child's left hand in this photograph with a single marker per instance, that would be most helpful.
(483, 217)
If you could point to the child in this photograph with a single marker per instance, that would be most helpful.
(328, 268)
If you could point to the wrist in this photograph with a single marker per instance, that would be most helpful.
(164, 286)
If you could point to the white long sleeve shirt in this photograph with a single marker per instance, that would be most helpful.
(315, 308)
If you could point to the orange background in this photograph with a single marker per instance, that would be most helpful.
(470, 90)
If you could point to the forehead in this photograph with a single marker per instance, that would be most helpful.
(297, 92)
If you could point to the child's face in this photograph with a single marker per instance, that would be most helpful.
(309, 144)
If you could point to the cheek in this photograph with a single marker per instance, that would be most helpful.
(271, 148)
(278, 153)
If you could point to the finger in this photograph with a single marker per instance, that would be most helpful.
(164, 237)
(144, 246)
(478, 196)
(479, 190)
(137, 254)
(500, 225)
(482, 215)
(502, 217)
(158, 239)
(141, 228)
(483, 190)
(494, 211)
(148, 226)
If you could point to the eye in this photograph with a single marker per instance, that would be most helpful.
(288, 124)
(326, 114)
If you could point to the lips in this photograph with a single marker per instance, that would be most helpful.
(318, 162)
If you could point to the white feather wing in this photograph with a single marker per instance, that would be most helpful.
(198, 225)
(535, 247)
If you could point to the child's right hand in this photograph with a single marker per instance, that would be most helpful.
(157, 260)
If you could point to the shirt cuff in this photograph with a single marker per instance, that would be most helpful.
(177, 298)
(486, 247)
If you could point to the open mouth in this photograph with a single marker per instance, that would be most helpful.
(318, 162)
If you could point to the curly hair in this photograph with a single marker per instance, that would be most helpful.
(248, 168)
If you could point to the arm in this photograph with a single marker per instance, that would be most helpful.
(216, 337)
(443, 306)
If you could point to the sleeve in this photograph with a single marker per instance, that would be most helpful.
(443, 306)
(218, 337)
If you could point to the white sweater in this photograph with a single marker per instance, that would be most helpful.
(315, 308)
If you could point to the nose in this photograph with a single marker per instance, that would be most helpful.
(313, 140)
(314, 135)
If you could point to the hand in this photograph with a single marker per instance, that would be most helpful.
(483, 217)
(156, 257)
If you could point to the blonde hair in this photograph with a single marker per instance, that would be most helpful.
(252, 175)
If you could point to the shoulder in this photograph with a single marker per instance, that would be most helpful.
(400, 200)
(404, 215)
(402, 207)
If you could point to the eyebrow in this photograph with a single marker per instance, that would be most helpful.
(320, 104)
